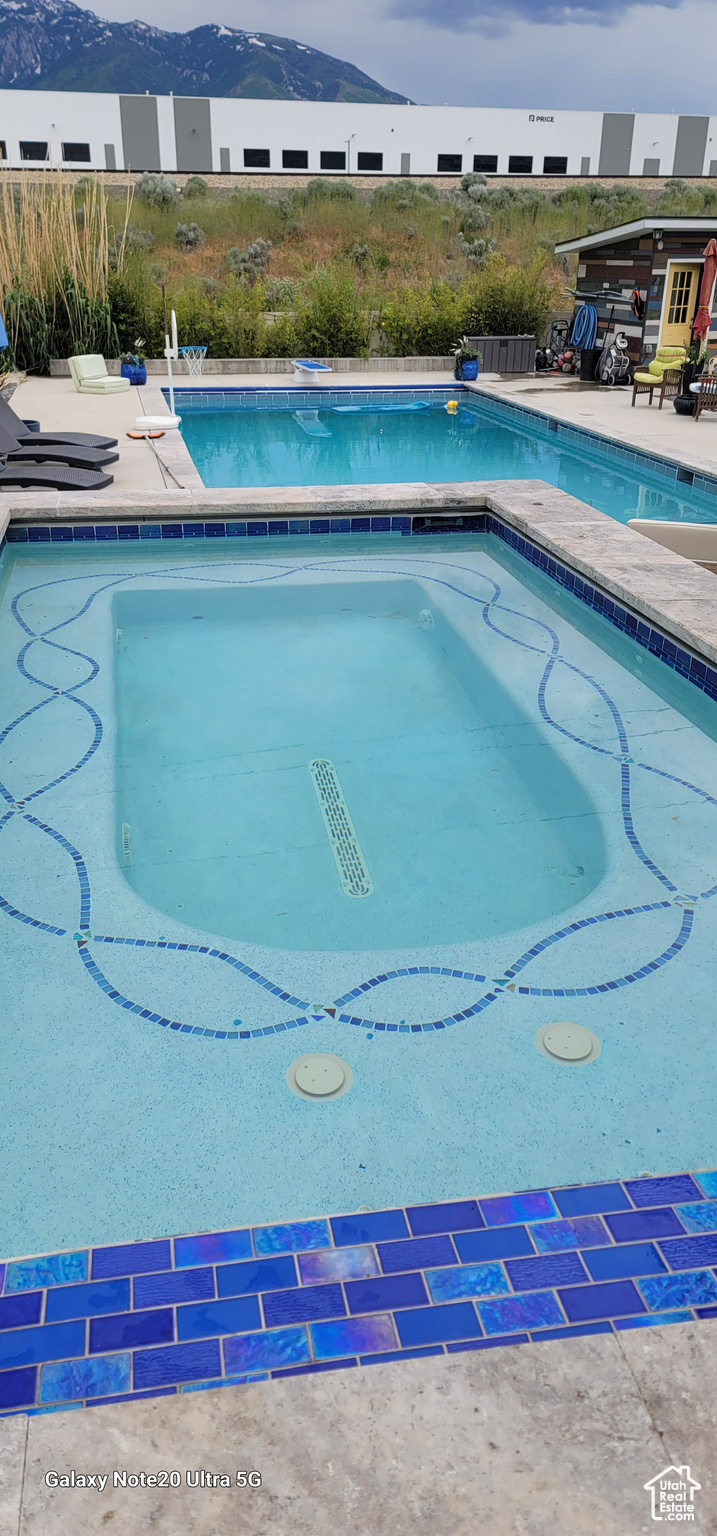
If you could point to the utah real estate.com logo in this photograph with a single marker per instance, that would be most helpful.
(672, 1494)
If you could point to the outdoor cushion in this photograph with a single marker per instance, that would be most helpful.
(91, 377)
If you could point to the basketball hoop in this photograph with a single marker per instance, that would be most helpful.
(195, 357)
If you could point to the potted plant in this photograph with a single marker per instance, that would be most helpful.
(133, 364)
(467, 360)
(685, 402)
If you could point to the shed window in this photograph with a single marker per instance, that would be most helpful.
(74, 152)
(369, 162)
(520, 165)
(295, 159)
(485, 163)
(452, 163)
(257, 159)
(333, 160)
(33, 149)
(555, 165)
(3, 150)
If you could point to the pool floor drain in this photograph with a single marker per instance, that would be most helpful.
(319, 1075)
(572, 1044)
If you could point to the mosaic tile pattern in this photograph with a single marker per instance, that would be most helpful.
(227, 1308)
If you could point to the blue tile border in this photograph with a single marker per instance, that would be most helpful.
(359, 1289)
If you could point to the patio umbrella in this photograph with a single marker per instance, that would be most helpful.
(3, 332)
(702, 320)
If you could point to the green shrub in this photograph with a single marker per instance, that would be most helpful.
(189, 236)
(319, 190)
(330, 316)
(157, 190)
(195, 186)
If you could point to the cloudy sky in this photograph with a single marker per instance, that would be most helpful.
(531, 53)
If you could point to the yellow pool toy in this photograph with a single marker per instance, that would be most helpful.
(451, 405)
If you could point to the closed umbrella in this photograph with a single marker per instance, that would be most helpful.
(3, 332)
(702, 320)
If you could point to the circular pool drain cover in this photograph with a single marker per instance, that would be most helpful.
(571, 1043)
(319, 1076)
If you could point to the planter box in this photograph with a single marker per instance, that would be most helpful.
(505, 354)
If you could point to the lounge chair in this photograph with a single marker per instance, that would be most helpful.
(79, 458)
(706, 392)
(60, 477)
(91, 377)
(20, 430)
(663, 374)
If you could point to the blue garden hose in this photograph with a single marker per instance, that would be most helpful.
(584, 332)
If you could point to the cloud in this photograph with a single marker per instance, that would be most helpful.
(494, 18)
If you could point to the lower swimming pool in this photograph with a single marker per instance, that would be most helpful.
(202, 752)
(370, 437)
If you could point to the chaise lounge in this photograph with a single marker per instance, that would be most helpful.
(14, 452)
(19, 429)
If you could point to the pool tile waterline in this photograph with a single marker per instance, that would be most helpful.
(306, 1296)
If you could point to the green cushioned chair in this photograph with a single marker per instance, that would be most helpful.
(663, 374)
(90, 376)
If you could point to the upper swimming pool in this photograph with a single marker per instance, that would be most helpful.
(371, 437)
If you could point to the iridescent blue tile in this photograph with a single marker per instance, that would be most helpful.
(708, 1182)
(614, 1298)
(662, 1191)
(131, 1259)
(294, 1237)
(212, 1248)
(267, 1351)
(438, 1325)
(176, 1363)
(467, 1280)
(90, 1300)
(690, 1252)
(53, 1269)
(303, 1304)
(353, 1336)
(548, 1270)
(503, 1210)
(32, 1346)
(416, 1253)
(632, 1226)
(697, 1288)
(73, 1379)
(255, 1275)
(651, 1320)
(338, 1264)
(20, 1311)
(624, 1260)
(386, 1293)
(233, 1315)
(129, 1330)
(17, 1388)
(226, 1381)
(369, 1227)
(449, 1216)
(171, 1287)
(511, 1313)
(496, 1243)
(2, 1277)
(701, 1217)
(576, 1232)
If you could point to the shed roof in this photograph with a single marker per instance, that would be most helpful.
(638, 227)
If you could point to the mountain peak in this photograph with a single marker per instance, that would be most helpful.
(55, 45)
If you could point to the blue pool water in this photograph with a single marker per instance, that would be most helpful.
(532, 794)
(401, 441)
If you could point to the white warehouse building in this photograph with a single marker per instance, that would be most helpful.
(221, 134)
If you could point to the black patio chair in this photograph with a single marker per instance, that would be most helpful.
(18, 429)
(59, 477)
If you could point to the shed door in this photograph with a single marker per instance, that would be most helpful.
(678, 310)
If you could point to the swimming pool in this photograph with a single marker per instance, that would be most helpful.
(529, 792)
(369, 437)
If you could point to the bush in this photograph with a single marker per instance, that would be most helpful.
(189, 236)
(157, 190)
(472, 182)
(320, 191)
(195, 186)
(251, 263)
(331, 318)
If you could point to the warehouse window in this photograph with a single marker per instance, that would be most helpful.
(485, 163)
(75, 152)
(3, 150)
(333, 160)
(369, 162)
(453, 163)
(33, 149)
(257, 159)
(520, 165)
(295, 159)
(555, 165)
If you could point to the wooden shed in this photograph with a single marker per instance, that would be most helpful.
(660, 257)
